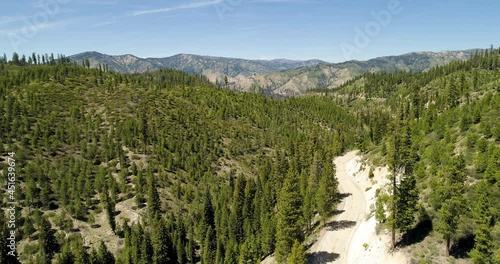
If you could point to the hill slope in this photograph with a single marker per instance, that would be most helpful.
(280, 77)
(166, 166)
(438, 133)
(216, 67)
(157, 165)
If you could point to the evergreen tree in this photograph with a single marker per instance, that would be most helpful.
(404, 197)
(139, 195)
(208, 217)
(298, 254)
(160, 241)
(453, 204)
(289, 226)
(109, 206)
(209, 246)
(231, 254)
(407, 200)
(144, 129)
(310, 192)
(483, 246)
(154, 202)
(79, 253)
(147, 250)
(236, 218)
(268, 222)
(327, 195)
(15, 59)
(48, 243)
(104, 256)
(245, 256)
(380, 204)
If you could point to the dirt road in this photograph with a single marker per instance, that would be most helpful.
(350, 238)
(334, 240)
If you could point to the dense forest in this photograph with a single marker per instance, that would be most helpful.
(165, 167)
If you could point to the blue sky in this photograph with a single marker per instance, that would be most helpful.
(331, 30)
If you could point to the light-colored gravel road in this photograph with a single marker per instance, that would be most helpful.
(334, 240)
(349, 237)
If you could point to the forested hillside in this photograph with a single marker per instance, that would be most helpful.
(275, 77)
(160, 167)
(165, 167)
(439, 133)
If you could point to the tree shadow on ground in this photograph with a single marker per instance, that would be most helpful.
(344, 195)
(321, 257)
(416, 234)
(463, 246)
(337, 212)
(338, 225)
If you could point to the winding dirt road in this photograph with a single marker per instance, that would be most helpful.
(334, 241)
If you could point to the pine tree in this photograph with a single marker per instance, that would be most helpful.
(79, 253)
(105, 257)
(236, 218)
(45, 193)
(137, 235)
(139, 189)
(146, 250)
(380, 203)
(154, 202)
(231, 254)
(268, 221)
(310, 192)
(289, 226)
(404, 196)
(160, 241)
(48, 243)
(209, 246)
(245, 256)
(93, 258)
(109, 206)
(327, 195)
(67, 257)
(15, 59)
(208, 217)
(298, 254)
(144, 129)
(407, 200)
(483, 246)
(28, 228)
(453, 204)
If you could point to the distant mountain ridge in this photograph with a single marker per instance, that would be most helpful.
(191, 63)
(280, 76)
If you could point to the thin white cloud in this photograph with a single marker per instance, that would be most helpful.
(35, 28)
(101, 2)
(9, 19)
(169, 9)
(284, 1)
(103, 24)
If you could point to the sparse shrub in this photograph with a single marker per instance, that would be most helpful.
(365, 245)
(31, 248)
(91, 219)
